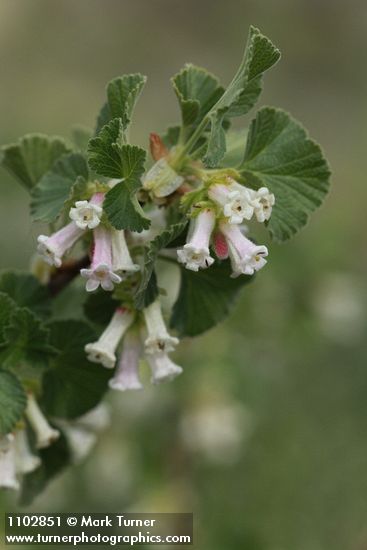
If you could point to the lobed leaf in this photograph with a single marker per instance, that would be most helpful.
(25, 341)
(242, 93)
(54, 188)
(197, 91)
(125, 162)
(31, 157)
(123, 93)
(105, 150)
(280, 156)
(25, 291)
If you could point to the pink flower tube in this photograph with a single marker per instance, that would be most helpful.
(100, 271)
(195, 254)
(246, 257)
(127, 372)
(54, 247)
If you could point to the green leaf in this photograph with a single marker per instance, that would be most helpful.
(105, 150)
(123, 209)
(13, 401)
(280, 156)
(197, 91)
(122, 95)
(31, 157)
(73, 385)
(242, 93)
(26, 291)
(54, 459)
(148, 290)
(205, 298)
(125, 162)
(260, 55)
(25, 341)
(54, 188)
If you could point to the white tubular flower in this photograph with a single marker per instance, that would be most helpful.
(263, 202)
(162, 367)
(26, 461)
(121, 259)
(161, 180)
(127, 373)
(103, 351)
(158, 339)
(246, 257)
(45, 434)
(54, 247)
(8, 477)
(87, 214)
(234, 199)
(100, 271)
(195, 254)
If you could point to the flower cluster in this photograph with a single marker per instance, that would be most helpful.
(146, 336)
(16, 456)
(226, 206)
(223, 205)
(111, 260)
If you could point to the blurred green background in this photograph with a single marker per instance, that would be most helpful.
(264, 437)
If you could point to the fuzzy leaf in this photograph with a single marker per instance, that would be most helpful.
(13, 401)
(31, 157)
(122, 95)
(105, 150)
(26, 291)
(197, 91)
(125, 162)
(205, 298)
(260, 55)
(25, 341)
(54, 188)
(148, 290)
(242, 93)
(73, 385)
(280, 156)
